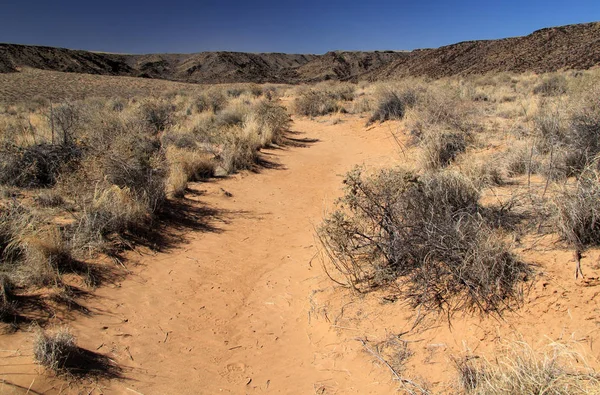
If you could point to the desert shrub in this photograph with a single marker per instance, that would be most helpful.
(271, 122)
(343, 91)
(440, 148)
(15, 219)
(425, 234)
(66, 120)
(521, 370)
(58, 352)
(157, 114)
(231, 116)
(481, 173)
(180, 140)
(555, 85)
(256, 90)
(36, 165)
(442, 108)
(144, 178)
(571, 140)
(47, 256)
(240, 150)
(117, 104)
(361, 105)
(133, 161)
(583, 134)
(480, 96)
(7, 303)
(53, 350)
(110, 211)
(49, 198)
(521, 159)
(235, 92)
(213, 100)
(315, 103)
(390, 107)
(578, 209)
(549, 127)
(185, 166)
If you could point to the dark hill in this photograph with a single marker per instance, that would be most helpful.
(545, 50)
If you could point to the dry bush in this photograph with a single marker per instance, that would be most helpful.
(440, 148)
(235, 91)
(427, 235)
(15, 219)
(570, 138)
(186, 166)
(49, 198)
(583, 134)
(522, 370)
(521, 159)
(442, 107)
(132, 158)
(270, 121)
(232, 115)
(53, 350)
(157, 114)
(58, 352)
(37, 165)
(240, 150)
(339, 91)
(315, 103)
(66, 121)
(212, 100)
(389, 107)
(111, 210)
(8, 306)
(183, 140)
(554, 85)
(578, 209)
(481, 172)
(47, 256)
(550, 124)
(361, 105)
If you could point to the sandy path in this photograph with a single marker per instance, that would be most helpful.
(228, 309)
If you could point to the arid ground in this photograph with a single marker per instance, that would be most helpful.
(234, 290)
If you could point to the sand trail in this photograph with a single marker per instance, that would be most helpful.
(228, 309)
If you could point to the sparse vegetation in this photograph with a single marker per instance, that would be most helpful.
(521, 370)
(424, 233)
(554, 85)
(496, 168)
(315, 103)
(578, 209)
(109, 166)
(54, 350)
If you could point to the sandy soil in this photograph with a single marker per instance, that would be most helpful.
(228, 309)
(241, 305)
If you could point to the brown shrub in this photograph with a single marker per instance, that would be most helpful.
(425, 232)
(315, 103)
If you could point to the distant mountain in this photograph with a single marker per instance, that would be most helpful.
(204, 67)
(545, 50)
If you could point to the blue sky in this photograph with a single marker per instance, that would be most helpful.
(277, 26)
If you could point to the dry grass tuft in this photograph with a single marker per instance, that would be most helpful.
(440, 148)
(54, 350)
(578, 209)
(554, 85)
(315, 103)
(521, 370)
